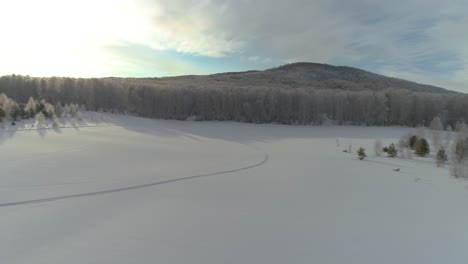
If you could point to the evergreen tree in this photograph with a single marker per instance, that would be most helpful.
(15, 111)
(412, 141)
(58, 110)
(30, 108)
(361, 153)
(441, 157)
(422, 147)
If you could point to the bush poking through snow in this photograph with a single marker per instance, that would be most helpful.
(391, 151)
(361, 152)
(441, 157)
(421, 147)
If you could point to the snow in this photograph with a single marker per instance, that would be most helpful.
(267, 194)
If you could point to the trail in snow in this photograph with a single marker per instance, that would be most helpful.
(66, 197)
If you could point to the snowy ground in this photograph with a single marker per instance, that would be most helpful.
(114, 189)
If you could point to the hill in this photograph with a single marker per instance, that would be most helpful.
(295, 75)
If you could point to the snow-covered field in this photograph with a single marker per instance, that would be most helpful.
(116, 189)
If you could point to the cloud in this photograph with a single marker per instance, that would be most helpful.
(420, 38)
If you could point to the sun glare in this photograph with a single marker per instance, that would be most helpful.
(52, 37)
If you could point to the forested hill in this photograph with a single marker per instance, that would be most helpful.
(301, 93)
(296, 75)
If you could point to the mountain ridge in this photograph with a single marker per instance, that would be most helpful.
(305, 75)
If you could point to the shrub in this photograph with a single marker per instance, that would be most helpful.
(392, 151)
(422, 147)
(412, 141)
(361, 153)
(441, 157)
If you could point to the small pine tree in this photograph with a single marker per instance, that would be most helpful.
(40, 106)
(392, 151)
(412, 141)
(58, 110)
(15, 111)
(361, 153)
(441, 157)
(422, 147)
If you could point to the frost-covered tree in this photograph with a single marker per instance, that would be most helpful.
(48, 111)
(66, 111)
(448, 135)
(72, 110)
(58, 110)
(436, 131)
(3, 99)
(436, 124)
(272, 101)
(402, 145)
(55, 122)
(378, 146)
(460, 147)
(40, 119)
(459, 160)
(30, 107)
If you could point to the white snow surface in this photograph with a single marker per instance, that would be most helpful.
(119, 189)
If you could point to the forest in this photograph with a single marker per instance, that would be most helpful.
(263, 104)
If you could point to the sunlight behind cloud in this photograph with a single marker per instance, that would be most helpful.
(70, 38)
(66, 38)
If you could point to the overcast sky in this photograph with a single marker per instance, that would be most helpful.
(420, 40)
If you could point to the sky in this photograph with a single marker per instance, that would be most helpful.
(419, 40)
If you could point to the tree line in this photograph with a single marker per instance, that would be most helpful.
(298, 106)
(41, 110)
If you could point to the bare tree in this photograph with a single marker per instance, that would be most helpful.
(436, 130)
(378, 146)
